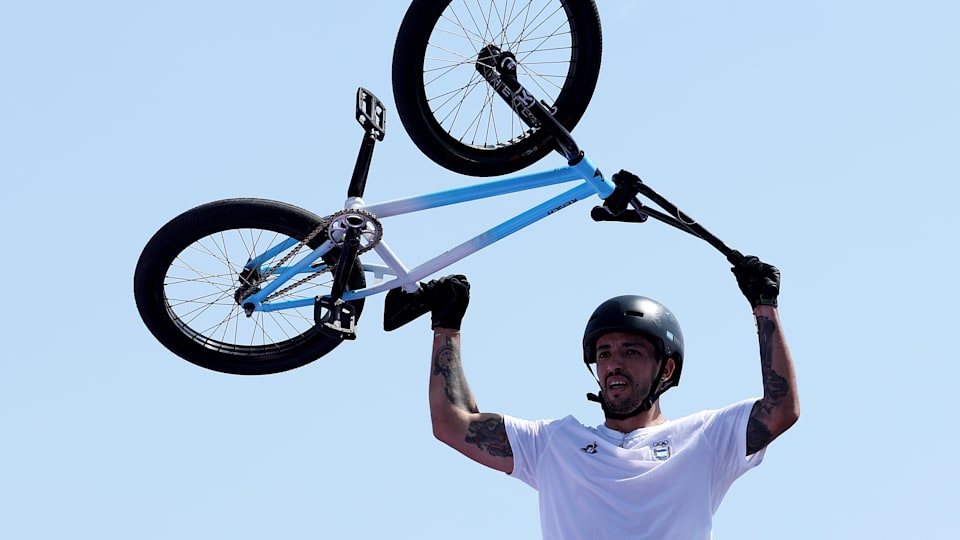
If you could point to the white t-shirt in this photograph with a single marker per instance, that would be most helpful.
(659, 482)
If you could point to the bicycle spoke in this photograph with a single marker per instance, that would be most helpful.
(202, 282)
(534, 31)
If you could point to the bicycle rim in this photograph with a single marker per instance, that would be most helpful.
(201, 286)
(194, 275)
(557, 47)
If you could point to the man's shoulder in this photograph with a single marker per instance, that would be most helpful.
(732, 408)
(554, 426)
(724, 415)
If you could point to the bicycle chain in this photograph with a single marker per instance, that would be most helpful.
(324, 225)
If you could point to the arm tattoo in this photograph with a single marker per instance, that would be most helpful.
(490, 434)
(758, 436)
(446, 362)
(775, 387)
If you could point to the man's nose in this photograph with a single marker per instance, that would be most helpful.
(613, 364)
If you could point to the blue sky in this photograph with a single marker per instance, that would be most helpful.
(820, 136)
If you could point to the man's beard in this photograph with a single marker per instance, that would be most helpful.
(627, 404)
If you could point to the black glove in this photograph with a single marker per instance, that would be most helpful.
(447, 298)
(759, 281)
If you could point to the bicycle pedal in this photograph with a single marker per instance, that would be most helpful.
(401, 307)
(336, 319)
(371, 114)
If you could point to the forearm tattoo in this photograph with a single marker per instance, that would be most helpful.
(446, 363)
(490, 434)
(775, 387)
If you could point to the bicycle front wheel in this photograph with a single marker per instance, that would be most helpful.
(450, 111)
(193, 274)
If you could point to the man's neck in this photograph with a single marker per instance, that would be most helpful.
(649, 418)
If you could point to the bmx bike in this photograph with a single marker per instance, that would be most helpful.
(254, 286)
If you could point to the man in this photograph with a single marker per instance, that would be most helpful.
(638, 475)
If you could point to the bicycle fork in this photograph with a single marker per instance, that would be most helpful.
(499, 69)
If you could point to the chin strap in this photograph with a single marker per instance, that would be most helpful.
(652, 397)
(598, 398)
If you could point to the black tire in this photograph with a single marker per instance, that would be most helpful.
(187, 276)
(453, 115)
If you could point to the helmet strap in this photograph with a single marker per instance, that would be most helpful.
(656, 388)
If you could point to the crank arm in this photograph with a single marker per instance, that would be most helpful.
(332, 315)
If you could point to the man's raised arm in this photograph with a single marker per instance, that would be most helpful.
(456, 419)
(779, 408)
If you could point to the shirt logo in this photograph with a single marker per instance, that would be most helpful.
(590, 448)
(661, 450)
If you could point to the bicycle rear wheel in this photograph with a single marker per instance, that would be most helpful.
(187, 280)
(453, 115)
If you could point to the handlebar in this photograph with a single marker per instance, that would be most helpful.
(628, 187)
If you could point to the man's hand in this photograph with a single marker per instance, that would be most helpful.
(448, 298)
(759, 281)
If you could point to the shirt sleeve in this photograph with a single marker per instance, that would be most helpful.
(727, 432)
(526, 440)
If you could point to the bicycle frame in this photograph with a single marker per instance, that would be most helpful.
(619, 195)
(591, 182)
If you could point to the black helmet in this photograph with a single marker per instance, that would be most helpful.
(638, 315)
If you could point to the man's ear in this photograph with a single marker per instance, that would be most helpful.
(668, 369)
